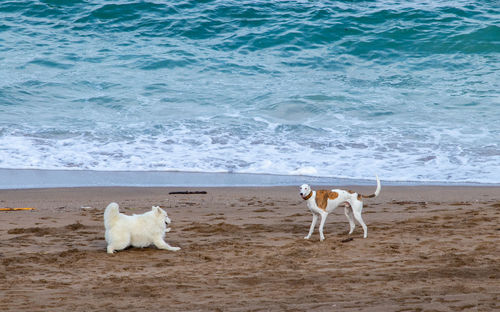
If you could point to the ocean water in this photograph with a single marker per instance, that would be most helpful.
(408, 90)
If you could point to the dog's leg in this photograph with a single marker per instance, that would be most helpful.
(117, 246)
(160, 244)
(321, 225)
(356, 209)
(350, 217)
(313, 224)
(116, 242)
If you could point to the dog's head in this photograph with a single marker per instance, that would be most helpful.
(161, 214)
(305, 190)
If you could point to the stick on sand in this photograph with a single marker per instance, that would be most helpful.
(15, 209)
(188, 192)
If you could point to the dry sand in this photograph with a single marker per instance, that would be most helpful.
(428, 249)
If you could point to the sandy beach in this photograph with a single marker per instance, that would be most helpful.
(428, 249)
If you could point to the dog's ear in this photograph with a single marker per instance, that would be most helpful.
(156, 210)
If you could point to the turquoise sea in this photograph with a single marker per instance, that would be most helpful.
(408, 90)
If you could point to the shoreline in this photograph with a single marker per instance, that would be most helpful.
(38, 178)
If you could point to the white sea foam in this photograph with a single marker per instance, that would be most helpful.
(212, 149)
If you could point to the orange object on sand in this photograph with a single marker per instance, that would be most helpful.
(15, 209)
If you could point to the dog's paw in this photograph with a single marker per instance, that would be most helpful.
(168, 230)
(307, 237)
(175, 248)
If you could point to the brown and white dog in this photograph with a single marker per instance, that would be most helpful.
(322, 202)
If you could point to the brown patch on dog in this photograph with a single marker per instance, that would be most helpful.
(352, 192)
(333, 195)
(322, 197)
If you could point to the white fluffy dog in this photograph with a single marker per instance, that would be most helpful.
(136, 230)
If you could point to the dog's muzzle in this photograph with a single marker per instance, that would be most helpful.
(306, 197)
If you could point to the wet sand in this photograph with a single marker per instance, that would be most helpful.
(428, 249)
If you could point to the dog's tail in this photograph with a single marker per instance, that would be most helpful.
(110, 215)
(377, 191)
